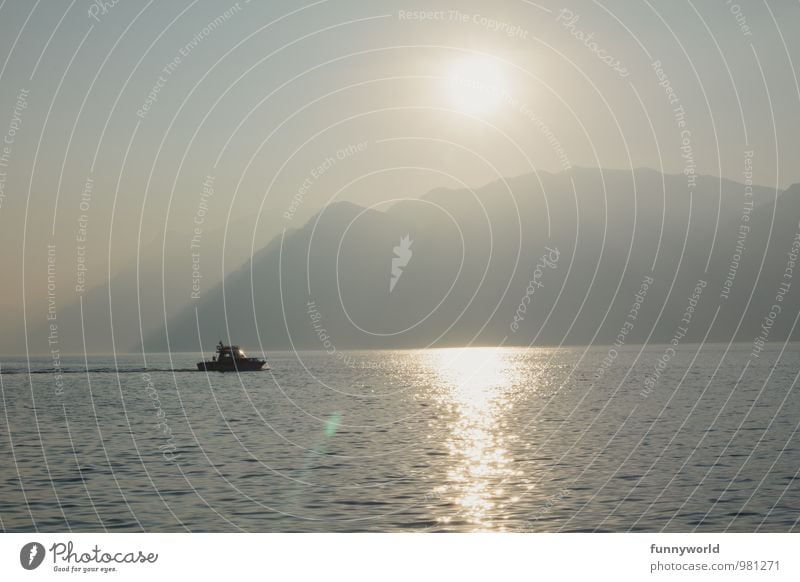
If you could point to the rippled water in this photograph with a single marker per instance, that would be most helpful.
(435, 440)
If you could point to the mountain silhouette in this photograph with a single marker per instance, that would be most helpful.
(476, 267)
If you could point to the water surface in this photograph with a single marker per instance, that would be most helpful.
(475, 439)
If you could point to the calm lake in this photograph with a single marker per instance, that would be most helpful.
(473, 439)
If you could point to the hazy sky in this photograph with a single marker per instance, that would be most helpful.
(280, 107)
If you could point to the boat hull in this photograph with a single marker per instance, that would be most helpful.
(249, 365)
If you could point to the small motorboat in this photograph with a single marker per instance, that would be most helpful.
(231, 359)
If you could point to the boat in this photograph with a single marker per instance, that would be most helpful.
(231, 359)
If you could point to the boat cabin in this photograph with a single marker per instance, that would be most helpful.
(230, 352)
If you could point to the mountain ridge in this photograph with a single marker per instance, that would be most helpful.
(471, 257)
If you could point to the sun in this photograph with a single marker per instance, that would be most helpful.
(477, 85)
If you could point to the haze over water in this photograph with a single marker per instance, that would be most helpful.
(472, 439)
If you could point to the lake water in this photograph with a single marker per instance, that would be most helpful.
(433, 440)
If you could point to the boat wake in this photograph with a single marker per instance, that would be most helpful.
(16, 371)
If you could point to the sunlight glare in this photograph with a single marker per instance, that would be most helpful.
(477, 85)
(479, 381)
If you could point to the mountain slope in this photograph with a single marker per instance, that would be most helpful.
(474, 254)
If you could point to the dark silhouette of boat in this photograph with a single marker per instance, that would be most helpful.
(231, 359)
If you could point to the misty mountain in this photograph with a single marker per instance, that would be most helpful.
(141, 294)
(536, 259)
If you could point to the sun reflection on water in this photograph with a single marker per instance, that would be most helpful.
(477, 386)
